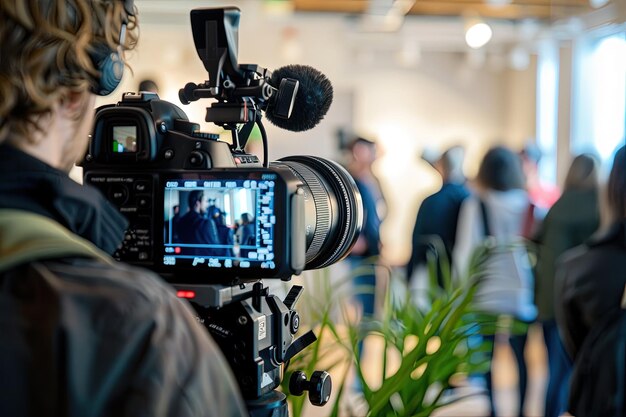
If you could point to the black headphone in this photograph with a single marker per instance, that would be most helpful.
(108, 62)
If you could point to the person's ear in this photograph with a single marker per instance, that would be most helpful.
(73, 103)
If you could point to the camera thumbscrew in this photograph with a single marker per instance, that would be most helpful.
(297, 383)
(295, 322)
(319, 387)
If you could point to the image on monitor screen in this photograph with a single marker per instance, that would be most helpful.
(219, 223)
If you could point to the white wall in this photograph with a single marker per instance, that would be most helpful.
(440, 101)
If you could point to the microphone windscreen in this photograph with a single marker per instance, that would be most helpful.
(315, 93)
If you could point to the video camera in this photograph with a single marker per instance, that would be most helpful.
(213, 220)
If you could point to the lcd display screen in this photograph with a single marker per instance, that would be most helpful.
(219, 223)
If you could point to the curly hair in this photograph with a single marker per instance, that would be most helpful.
(45, 48)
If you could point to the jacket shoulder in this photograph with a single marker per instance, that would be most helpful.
(151, 339)
(114, 298)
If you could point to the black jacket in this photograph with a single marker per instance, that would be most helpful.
(436, 222)
(195, 228)
(82, 335)
(569, 223)
(590, 287)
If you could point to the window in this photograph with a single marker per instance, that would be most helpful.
(599, 116)
(547, 105)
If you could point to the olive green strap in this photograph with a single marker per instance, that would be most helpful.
(26, 237)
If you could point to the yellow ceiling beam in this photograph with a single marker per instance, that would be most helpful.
(518, 9)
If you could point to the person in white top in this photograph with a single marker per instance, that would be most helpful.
(501, 198)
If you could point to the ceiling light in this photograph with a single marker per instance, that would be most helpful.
(478, 35)
(596, 4)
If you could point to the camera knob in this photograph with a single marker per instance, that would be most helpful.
(319, 387)
(294, 322)
(196, 159)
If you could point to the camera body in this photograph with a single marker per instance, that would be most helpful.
(147, 158)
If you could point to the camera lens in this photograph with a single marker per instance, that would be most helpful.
(333, 208)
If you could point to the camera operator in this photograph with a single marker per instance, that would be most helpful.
(81, 334)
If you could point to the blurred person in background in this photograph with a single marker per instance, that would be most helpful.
(570, 222)
(197, 228)
(366, 251)
(225, 234)
(438, 214)
(82, 335)
(246, 234)
(590, 308)
(172, 224)
(542, 194)
(501, 191)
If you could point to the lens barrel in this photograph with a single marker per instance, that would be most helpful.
(333, 208)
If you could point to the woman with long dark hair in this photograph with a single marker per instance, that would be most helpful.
(591, 308)
(570, 222)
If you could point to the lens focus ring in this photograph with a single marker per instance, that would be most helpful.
(346, 229)
(322, 206)
(336, 200)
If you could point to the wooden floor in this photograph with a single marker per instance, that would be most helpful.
(505, 381)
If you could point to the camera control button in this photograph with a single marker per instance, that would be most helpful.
(196, 158)
(118, 194)
(143, 202)
(142, 186)
(168, 154)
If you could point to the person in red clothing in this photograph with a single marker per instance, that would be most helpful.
(542, 195)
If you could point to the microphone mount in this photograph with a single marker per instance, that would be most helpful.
(244, 104)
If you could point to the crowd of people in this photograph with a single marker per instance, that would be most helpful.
(576, 264)
(557, 272)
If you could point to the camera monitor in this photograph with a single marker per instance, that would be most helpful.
(219, 223)
(225, 221)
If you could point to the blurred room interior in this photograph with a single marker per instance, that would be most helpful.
(404, 75)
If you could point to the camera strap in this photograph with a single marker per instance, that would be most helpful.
(28, 237)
